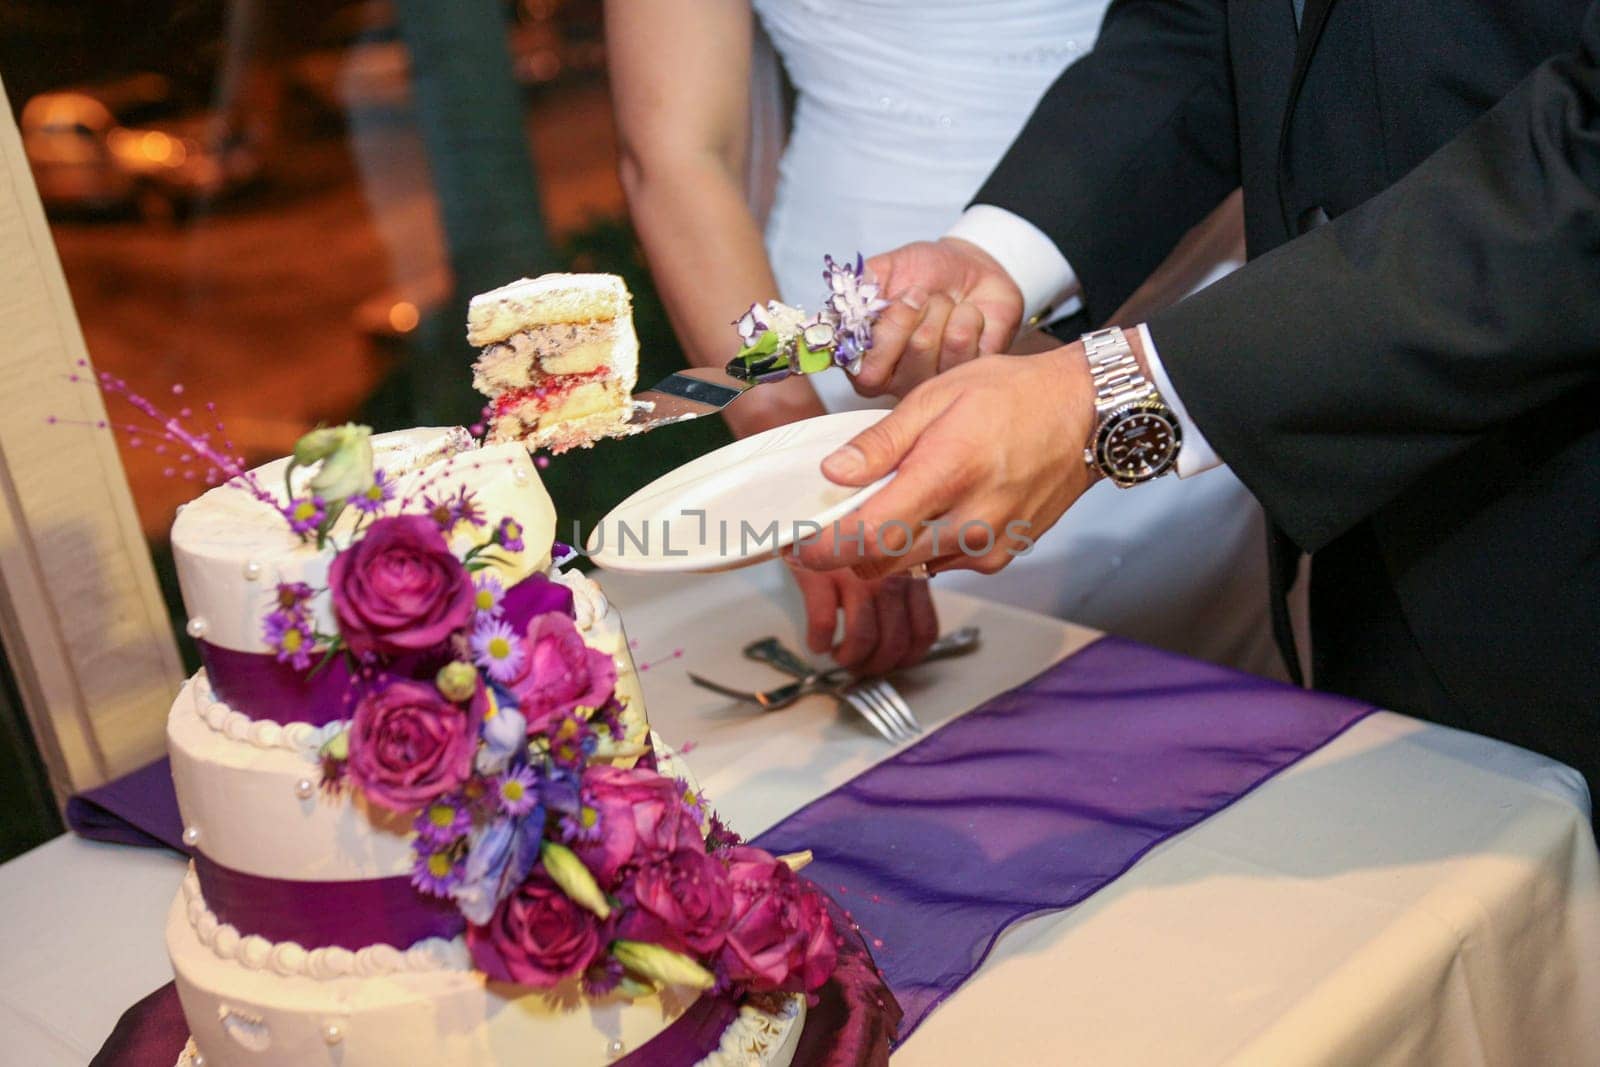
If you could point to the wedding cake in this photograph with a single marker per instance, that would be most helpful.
(429, 822)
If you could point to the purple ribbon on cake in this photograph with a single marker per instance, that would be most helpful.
(352, 915)
(258, 685)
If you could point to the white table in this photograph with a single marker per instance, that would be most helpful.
(1406, 895)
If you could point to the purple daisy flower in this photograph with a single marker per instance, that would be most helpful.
(436, 871)
(581, 826)
(604, 975)
(442, 823)
(464, 507)
(517, 791)
(289, 636)
(489, 591)
(372, 500)
(497, 648)
(305, 514)
(509, 535)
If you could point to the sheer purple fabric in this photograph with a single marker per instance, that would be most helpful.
(1039, 798)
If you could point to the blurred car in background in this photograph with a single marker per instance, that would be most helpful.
(129, 143)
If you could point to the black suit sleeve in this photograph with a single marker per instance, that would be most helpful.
(1154, 99)
(1342, 368)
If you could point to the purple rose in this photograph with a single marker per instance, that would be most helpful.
(643, 819)
(533, 596)
(409, 745)
(399, 589)
(536, 937)
(559, 672)
(682, 901)
(779, 936)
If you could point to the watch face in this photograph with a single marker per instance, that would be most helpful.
(1137, 443)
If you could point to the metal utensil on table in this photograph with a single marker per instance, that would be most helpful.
(874, 699)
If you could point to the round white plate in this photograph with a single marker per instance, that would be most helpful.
(737, 505)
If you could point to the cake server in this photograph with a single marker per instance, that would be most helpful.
(687, 394)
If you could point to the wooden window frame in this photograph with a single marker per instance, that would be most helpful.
(81, 614)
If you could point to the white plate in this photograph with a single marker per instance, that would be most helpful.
(737, 505)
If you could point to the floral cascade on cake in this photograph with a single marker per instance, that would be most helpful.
(421, 789)
(780, 339)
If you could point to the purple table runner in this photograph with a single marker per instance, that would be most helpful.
(1040, 797)
(139, 808)
(1027, 804)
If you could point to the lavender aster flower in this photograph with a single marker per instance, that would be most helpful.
(509, 535)
(436, 872)
(305, 514)
(288, 633)
(497, 648)
(442, 823)
(464, 508)
(373, 499)
(603, 976)
(581, 826)
(490, 591)
(517, 791)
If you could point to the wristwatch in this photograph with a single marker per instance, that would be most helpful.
(1136, 436)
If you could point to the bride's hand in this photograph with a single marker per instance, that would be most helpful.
(888, 623)
(951, 302)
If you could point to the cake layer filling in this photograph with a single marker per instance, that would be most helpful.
(543, 351)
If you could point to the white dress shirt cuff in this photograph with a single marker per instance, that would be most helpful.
(1034, 262)
(1196, 454)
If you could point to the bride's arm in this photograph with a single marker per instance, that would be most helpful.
(680, 76)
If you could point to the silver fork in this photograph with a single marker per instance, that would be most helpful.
(875, 699)
(881, 705)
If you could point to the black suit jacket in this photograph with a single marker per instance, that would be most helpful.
(1412, 389)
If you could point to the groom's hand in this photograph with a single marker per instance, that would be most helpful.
(950, 303)
(988, 456)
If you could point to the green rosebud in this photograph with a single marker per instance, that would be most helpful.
(336, 747)
(661, 964)
(318, 444)
(347, 467)
(567, 871)
(457, 681)
(633, 989)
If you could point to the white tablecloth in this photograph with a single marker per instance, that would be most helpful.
(1408, 894)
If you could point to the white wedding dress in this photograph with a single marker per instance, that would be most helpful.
(901, 109)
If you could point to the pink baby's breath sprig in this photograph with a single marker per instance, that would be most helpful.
(198, 457)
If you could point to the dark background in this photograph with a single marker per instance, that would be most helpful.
(412, 153)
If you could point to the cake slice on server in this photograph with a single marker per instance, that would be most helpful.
(559, 359)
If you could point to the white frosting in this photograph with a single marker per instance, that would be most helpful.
(589, 603)
(232, 550)
(243, 1011)
(245, 802)
(301, 738)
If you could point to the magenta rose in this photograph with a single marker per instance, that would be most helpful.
(560, 672)
(399, 588)
(682, 901)
(536, 937)
(779, 936)
(409, 745)
(643, 818)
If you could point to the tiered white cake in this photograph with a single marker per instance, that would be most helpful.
(250, 794)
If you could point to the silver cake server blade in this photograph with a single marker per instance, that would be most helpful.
(684, 395)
